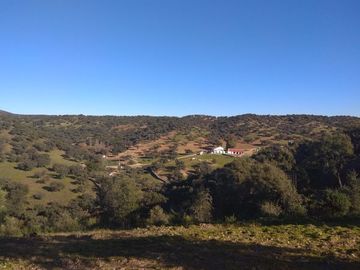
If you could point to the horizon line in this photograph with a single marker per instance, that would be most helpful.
(175, 116)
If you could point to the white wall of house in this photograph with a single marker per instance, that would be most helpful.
(219, 150)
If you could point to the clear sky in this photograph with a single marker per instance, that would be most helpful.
(179, 57)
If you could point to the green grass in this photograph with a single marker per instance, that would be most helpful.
(57, 157)
(217, 161)
(247, 246)
(179, 137)
(8, 171)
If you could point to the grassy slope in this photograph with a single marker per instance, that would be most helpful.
(217, 161)
(57, 157)
(197, 247)
(8, 171)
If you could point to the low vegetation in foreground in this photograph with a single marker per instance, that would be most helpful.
(204, 246)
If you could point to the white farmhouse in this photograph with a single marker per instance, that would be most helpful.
(218, 150)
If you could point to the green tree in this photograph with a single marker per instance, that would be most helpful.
(241, 187)
(179, 164)
(118, 198)
(203, 168)
(201, 208)
(324, 160)
(335, 204)
(231, 141)
(281, 157)
(353, 191)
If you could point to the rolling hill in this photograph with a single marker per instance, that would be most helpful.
(139, 142)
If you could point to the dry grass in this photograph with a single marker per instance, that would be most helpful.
(197, 247)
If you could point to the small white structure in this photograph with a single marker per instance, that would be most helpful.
(218, 150)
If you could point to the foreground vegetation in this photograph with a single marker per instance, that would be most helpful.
(247, 246)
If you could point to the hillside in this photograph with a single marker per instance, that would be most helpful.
(4, 113)
(138, 142)
(173, 202)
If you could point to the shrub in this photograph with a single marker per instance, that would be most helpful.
(38, 196)
(61, 170)
(60, 219)
(230, 219)
(353, 190)
(335, 204)
(2, 204)
(27, 165)
(157, 217)
(55, 186)
(43, 179)
(11, 227)
(42, 160)
(16, 196)
(187, 220)
(76, 170)
(40, 174)
(270, 209)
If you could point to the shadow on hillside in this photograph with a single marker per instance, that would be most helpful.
(169, 251)
(347, 222)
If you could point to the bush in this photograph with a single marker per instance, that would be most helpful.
(270, 209)
(43, 179)
(353, 190)
(32, 159)
(16, 197)
(60, 219)
(40, 174)
(2, 204)
(38, 196)
(230, 219)
(61, 170)
(335, 204)
(157, 217)
(187, 220)
(55, 186)
(27, 165)
(76, 170)
(11, 227)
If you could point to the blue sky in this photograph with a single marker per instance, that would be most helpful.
(180, 57)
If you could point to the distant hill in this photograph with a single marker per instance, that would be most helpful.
(5, 113)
